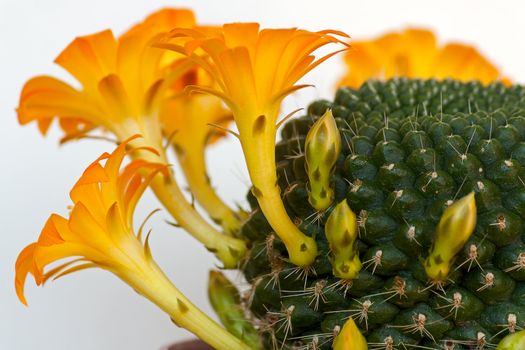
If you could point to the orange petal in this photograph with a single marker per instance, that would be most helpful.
(86, 228)
(363, 64)
(238, 77)
(23, 266)
(44, 124)
(164, 20)
(44, 98)
(139, 63)
(59, 273)
(94, 173)
(117, 230)
(90, 58)
(49, 234)
(266, 61)
(87, 188)
(414, 53)
(47, 255)
(75, 128)
(133, 194)
(116, 157)
(242, 35)
(420, 47)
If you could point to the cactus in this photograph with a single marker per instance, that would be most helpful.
(422, 245)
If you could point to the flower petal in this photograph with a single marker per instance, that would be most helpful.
(90, 58)
(23, 266)
(116, 99)
(44, 98)
(414, 53)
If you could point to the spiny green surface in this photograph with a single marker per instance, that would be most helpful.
(410, 148)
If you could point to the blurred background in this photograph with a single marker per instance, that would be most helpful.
(93, 309)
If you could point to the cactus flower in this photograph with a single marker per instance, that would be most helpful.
(254, 71)
(415, 53)
(124, 82)
(99, 233)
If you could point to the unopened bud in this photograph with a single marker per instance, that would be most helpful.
(454, 230)
(322, 148)
(341, 233)
(350, 338)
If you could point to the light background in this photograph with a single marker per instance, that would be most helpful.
(92, 309)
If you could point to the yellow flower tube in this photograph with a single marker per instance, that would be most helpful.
(124, 82)
(99, 233)
(254, 71)
(193, 123)
(415, 53)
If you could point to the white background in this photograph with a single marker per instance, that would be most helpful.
(92, 309)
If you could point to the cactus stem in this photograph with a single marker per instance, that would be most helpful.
(342, 285)
(302, 273)
(398, 289)
(511, 326)
(283, 321)
(274, 278)
(488, 282)
(312, 340)
(472, 258)
(277, 266)
(454, 304)
(374, 261)
(360, 314)
(439, 285)
(519, 264)
(387, 344)
(418, 326)
(315, 294)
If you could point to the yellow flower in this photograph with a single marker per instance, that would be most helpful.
(415, 53)
(124, 82)
(194, 121)
(254, 71)
(99, 233)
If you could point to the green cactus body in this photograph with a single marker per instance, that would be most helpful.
(409, 149)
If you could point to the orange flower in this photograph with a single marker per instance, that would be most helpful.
(99, 225)
(415, 53)
(120, 78)
(99, 233)
(124, 83)
(254, 71)
(193, 122)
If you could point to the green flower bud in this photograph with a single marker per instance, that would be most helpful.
(341, 233)
(454, 230)
(322, 146)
